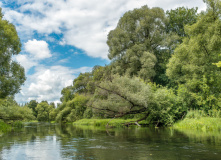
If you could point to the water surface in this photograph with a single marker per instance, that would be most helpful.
(45, 141)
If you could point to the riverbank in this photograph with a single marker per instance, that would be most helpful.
(109, 122)
(4, 127)
(202, 123)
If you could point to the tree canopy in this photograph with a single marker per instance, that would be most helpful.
(192, 64)
(12, 74)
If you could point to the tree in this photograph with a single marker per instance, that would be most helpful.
(191, 65)
(180, 17)
(81, 83)
(12, 74)
(32, 105)
(67, 94)
(125, 96)
(72, 110)
(44, 110)
(137, 42)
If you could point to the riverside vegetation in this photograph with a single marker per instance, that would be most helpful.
(165, 67)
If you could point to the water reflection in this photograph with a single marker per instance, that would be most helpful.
(53, 141)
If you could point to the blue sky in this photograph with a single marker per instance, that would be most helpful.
(62, 38)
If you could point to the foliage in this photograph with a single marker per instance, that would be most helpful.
(9, 110)
(165, 106)
(32, 105)
(44, 110)
(81, 83)
(12, 74)
(128, 96)
(4, 127)
(67, 94)
(136, 43)
(140, 50)
(72, 110)
(192, 67)
(180, 17)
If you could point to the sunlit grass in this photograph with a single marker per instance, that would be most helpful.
(4, 127)
(203, 123)
(199, 120)
(104, 122)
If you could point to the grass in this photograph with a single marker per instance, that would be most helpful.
(4, 127)
(104, 122)
(204, 123)
(198, 120)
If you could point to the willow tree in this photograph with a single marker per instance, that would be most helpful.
(192, 65)
(124, 96)
(12, 74)
(137, 42)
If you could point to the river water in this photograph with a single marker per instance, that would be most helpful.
(45, 141)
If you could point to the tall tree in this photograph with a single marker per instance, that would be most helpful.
(180, 17)
(12, 74)
(136, 43)
(191, 65)
(67, 94)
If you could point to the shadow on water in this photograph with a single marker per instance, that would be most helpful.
(56, 141)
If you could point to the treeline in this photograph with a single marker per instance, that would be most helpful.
(162, 65)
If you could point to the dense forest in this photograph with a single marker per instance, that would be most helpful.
(163, 64)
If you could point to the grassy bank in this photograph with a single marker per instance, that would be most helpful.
(198, 120)
(104, 122)
(203, 123)
(4, 127)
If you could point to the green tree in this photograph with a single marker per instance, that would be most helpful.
(10, 110)
(125, 96)
(180, 17)
(44, 110)
(72, 110)
(84, 83)
(32, 105)
(67, 94)
(137, 42)
(12, 74)
(191, 65)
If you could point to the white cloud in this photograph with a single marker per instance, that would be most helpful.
(26, 61)
(47, 82)
(84, 24)
(38, 49)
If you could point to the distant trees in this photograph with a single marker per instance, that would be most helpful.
(44, 111)
(32, 105)
(11, 111)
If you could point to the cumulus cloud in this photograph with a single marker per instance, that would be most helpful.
(38, 49)
(35, 52)
(25, 61)
(84, 24)
(47, 82)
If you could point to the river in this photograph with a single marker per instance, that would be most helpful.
(45, 141)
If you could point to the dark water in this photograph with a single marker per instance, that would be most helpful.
(44, 141)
